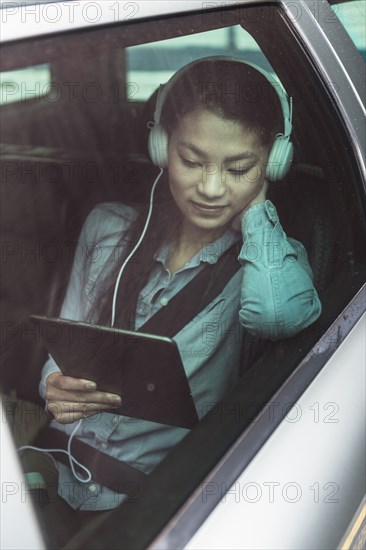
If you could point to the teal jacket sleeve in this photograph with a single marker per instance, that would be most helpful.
(278, 298)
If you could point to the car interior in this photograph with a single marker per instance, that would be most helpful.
(81, 139)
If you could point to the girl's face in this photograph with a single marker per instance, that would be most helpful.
(216, 168)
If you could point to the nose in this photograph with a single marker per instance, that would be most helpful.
(212, 184)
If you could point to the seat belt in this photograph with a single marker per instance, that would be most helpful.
(195, 296)
(106, 470)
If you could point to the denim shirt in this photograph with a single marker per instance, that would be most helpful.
(271, 295)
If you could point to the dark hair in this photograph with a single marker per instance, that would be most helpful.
(232, 90)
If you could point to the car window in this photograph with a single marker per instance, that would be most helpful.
(149, 65)
(352, 15)
(24, 84)
(87, 145)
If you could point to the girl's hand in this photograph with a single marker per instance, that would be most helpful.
(70, 399)
(258, 199)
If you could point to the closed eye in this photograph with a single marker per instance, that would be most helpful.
(189, 163)
(241, 171)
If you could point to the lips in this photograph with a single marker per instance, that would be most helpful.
(208, 209)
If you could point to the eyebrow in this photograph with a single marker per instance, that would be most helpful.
(198, 151)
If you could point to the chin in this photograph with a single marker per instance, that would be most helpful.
(210, 225)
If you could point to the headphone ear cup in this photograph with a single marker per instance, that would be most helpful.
(280, 158)
(158, 146)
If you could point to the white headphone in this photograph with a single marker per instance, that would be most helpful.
(281, 154)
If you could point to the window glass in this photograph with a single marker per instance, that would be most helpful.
(64, 157)
(149, 65)
(25, 83)
(353, 16)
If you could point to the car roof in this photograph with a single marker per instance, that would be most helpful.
(19, 18)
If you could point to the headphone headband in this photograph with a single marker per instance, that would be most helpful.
(286, 103)
(281, 154)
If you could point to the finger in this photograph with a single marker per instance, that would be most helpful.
(259, 198)
(263, 192)
(55, 394)
(67, 412)
(66, 417)
(58, 380)
(67, 388)
(236, 221)
(61, 407)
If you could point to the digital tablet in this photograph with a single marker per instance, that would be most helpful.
(144, 369)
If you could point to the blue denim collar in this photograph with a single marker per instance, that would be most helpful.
(210, 253)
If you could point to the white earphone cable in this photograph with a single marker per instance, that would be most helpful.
(72, 459)
(135, 248)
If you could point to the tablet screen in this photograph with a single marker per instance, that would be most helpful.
(145, 370)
